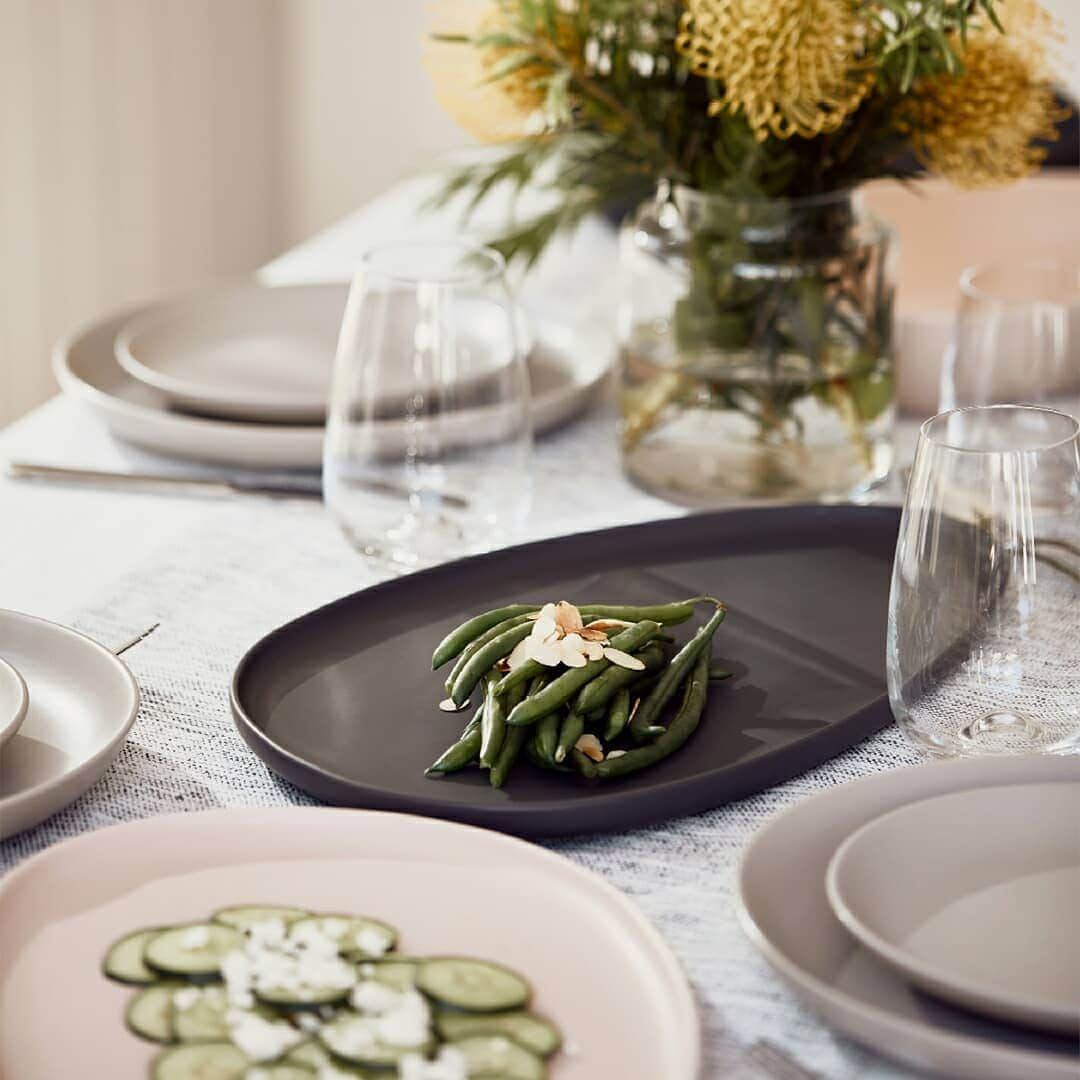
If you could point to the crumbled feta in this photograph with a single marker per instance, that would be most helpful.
(185, 997)
(198, 937)
(334, 927)
(449, 1065)
(351, 1037)
(308, 1022)
(367, 970)
(261, 1040)
(374, 997)
(408, 1023)
(373, 941)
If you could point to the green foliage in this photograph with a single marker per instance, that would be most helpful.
(621, 110)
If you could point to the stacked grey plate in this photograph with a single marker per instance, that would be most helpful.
(931, 913)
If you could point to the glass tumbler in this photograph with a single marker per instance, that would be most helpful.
(1017, 338)
(983, 649)
(428, 439)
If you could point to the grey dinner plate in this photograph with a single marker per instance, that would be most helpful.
(343, 701)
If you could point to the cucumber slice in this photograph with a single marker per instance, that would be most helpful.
(206, 1061)
(281, 1071)
(352, 1038)
(356, 935)
(312, 1054)
(399, 975)
(496, 1056)
(193, 952)
(150, 1013)
(124, 960)
(472, 985)
(199, 1014)
(307, 996)
(243, 917)
(534, 1033)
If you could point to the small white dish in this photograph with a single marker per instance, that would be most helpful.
(567, 366)
(974, 897)
(14, 700)
(785, 910)
(83, 701)
(243, 353)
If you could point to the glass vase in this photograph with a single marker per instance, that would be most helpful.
(755, 348)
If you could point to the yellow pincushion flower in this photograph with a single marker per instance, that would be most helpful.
(977, 128)
(492, 108)
(792, 67)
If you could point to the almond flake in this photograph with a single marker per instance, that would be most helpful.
(623, 659)
(543, 653)
(608, 624)
(590, 633)
(447, 705)
(591, 747)
(593, 650)
(634, 708)
(616, 754)
(544, 627)
(572, 651)
(518, 656)
(568, 617)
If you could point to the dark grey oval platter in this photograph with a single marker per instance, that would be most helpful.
(343, 702)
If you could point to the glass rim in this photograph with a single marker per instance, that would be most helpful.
(481, 253)
(943, 444)
(972, 291)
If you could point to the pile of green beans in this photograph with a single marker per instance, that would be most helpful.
(542, 712)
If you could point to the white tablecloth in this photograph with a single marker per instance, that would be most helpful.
(219, 574)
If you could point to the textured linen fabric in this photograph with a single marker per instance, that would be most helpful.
(246, 566)
(218, 575)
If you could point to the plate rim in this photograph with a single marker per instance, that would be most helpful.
(547, 820)
(691, 1037)
(10, 727)
(153, 316)
(93, 766)
(826, 1000)
(296, 446)
(1062, 1018)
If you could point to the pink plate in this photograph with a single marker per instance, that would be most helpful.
(599, 969)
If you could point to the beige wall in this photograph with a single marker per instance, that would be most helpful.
(134, 151)
(150, 145)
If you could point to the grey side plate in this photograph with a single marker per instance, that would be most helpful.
(343, 702)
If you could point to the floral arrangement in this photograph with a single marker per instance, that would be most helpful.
(742, 97)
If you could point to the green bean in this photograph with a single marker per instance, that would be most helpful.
(470, 649)
(547, 735)
(583, 763)
(643, 725)
(484, 659)
(463, 752)
(493, 727)
(681, 728)
(618, 715)
(604, 687)
(511, 748)
(666, 614)
(562, 688)
(537, 758)
(462, 635)
(571, 729)
(525, 673)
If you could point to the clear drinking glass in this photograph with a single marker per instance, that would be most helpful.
(1017, 338)
(428, 438)
(983, 648)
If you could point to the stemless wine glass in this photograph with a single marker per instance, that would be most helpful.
(1017, 338)
(983, 648)
(428, 437)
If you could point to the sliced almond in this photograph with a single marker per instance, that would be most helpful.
(623, 659)
(519, 656)
(543, 653)
(568, 617)
(592, 649)
(590, 633)
(572, 651)
(616, 753)
(633, 709)
(544, 627)
(591, 747)
(447, 705)
(608, 624)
